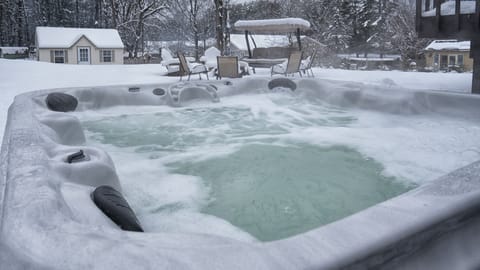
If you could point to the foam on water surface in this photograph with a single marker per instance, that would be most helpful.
(270, 166)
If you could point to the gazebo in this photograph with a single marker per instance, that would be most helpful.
(269, 26)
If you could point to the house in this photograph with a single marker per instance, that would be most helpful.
(78, 45)
(448, 55)
(459, 20)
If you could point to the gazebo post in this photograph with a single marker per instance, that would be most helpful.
(248, 44)
(475, 55)
(298, 39)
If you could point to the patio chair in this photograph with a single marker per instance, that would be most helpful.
(209, 58)
(191, 68)
(291, 66)
(306, 64)
(227, 66)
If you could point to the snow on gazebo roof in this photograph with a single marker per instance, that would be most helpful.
(62, 37)
(272, 25)
(452, 45)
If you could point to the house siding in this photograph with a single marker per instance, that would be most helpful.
(44, 54)
(467, 61)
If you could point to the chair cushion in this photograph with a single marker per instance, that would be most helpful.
(280, 68)
(197, 68)
(305, 63)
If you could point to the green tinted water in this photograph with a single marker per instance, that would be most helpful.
(274, 192)
(269, 185)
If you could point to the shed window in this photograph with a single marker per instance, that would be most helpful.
(59, 56)
(106, 56)
(460, 59)
(451, 60)
(436, 59)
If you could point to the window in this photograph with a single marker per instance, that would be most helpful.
(452, 60)
(436, 59)
(84, 55)
(443, 61)
(106, 56)
(460, 59)
(59, 56)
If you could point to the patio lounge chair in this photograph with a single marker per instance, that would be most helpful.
(170, 63)
(227, 66)
(291, 66)
(191, 68)
(306, 64)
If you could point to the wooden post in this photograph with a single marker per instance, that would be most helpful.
(298, 40)
(248, 44)
(438, 7)
(477, 15)
(475, 54)
(457, 14)
(419, 15)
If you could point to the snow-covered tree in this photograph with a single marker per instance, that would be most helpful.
(131, 17)
(358, 26)
(404, 37)
(336, 31)
(192, 13)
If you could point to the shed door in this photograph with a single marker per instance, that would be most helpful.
(83, 55)
(443, 61)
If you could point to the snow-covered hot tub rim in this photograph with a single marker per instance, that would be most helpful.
(368, 238)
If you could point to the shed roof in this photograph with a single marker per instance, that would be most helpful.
(452, 45)
(272, 25)
(62, 37)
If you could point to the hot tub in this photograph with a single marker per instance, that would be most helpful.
(240, 176)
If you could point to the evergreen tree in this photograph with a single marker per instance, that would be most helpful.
(336, 34)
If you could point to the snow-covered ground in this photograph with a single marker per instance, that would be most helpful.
(19, 76)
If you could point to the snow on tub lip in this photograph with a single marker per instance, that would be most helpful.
(48, 220)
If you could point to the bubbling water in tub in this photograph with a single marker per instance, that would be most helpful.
(265, 167)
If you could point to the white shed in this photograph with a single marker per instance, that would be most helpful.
(79, 45)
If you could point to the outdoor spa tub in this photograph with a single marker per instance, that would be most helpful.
(254, 173)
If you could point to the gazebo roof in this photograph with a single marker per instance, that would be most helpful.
(272, 25)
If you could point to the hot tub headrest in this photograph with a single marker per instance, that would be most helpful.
(114, 206)
(282, 82)
(61, 102)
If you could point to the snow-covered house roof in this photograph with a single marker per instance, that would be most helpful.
(153, 46)
(272, 25)
(62, 37)
(448, 45)
(372, 57)
(13, 50)
(262, 41)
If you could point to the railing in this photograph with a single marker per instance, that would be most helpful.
(451, 8)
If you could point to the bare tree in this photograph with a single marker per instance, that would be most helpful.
(194, 13)
(130, 18)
